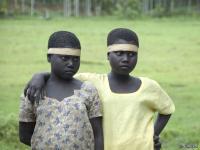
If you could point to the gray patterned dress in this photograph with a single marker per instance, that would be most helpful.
(63, 125)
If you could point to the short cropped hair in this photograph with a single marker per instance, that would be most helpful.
(63, 39)
(124, 34)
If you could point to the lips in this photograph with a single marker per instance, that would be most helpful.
(69, 71)
(124, 66)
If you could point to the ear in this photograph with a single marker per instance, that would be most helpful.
(48, 58)
(108, 56)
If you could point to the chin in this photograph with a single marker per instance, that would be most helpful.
(67, 77)
(125, 72)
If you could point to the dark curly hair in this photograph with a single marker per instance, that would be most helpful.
(122, 34)
(64, 39)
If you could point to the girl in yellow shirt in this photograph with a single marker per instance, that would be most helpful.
(129, 102)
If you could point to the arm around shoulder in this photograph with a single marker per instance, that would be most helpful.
(34, 87)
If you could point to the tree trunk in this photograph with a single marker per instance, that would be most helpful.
(172, 6)
(16, 5)
(98, 7)
(159, 3)
(76, 7)
(150, 5)
(189, 5)
(198, 5)
(23, 6)
(145, 6)
(10, 7)
(88, 7)
(168, 3)
(67, 8)
(32, 7)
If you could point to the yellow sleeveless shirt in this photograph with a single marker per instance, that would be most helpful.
(128, 117)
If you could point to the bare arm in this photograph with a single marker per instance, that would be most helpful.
(159, 125)
(26, 131)
(98, 132)
(34, 87)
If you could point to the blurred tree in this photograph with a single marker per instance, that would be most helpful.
(67, 8)
(3, 7)
(32, 7)
(23, 6)
(198, 5)
(76, 9)
(123, 8)
(88, 7)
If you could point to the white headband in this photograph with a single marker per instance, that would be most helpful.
(122, 47)
(64, 51)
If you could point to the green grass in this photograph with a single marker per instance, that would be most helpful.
(169, 53)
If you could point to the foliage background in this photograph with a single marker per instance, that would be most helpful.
(123, 8)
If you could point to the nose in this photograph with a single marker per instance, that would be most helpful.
(69, 62)
(125, 58)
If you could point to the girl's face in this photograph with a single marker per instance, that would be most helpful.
(64, 66)
(122, 62)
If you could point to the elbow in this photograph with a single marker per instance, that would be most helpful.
(21, 139)
(99, 142)
(24, 140)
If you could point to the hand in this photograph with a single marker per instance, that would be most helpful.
(157, 143)
(34, 88)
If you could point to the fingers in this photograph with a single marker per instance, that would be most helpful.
(43, 93)
(157, 143)
(157, 146)
(32, 94)
(37, 96)
(26, 89)
(156, 138)
(28, 93)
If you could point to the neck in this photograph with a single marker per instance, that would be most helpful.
(55, 78)
(119, 77)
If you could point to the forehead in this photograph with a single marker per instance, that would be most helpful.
(122, 52)
(123, 41)
(63, 55)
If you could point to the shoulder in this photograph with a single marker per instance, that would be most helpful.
(88, 87)
(89, 76)
(25, 100)
(26, 104)
(149, 83)
(89, 91)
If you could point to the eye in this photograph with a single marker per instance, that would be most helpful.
(64, 58)
(118, 53)
(131, 54)
(75, 59)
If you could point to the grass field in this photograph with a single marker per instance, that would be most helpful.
(169, 53)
